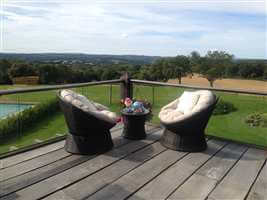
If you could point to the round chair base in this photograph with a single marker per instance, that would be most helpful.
(88, 145)
(183, 142)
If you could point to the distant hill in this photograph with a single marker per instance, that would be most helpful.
(243, 60)
(76, 57)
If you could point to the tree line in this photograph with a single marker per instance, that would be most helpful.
(214, 65)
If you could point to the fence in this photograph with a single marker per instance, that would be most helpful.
(42, 122)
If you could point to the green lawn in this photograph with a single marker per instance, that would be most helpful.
(53, 125)
(230, 126)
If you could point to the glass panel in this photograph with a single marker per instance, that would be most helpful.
(234, 125)
(40, 121)
(229, 118)
(35, 117)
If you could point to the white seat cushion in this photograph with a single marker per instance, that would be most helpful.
(169, 115)
(206, 98)
(67, 95)
(110, 115)
(100, 107)
(187, 102)
(198, 100)
(77, 100)
(86, 105)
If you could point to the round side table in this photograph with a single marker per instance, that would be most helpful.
(134, 125)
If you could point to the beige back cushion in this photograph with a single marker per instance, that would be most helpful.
(196, 101)
(206, 98)
(85, 104)
(187, 101)
(78, 100)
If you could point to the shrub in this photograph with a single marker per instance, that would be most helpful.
(21, 69)
(27, 118)
(224, 107)
(257, 119)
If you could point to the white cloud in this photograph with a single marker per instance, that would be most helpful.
(151, 28)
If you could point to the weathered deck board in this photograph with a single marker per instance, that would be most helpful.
(259, 189)
(32, 164)
(239, 180)
(162, 186)
(135, 179)
(205, 179)
(13, 160)
(54, 168)
(138, 170)
(92, 184)
(28, 155)
(81, 171)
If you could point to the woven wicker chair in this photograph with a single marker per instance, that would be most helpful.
(88, 131)
(186, 132)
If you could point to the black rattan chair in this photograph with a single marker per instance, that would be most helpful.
(88, 133)
(188, 133)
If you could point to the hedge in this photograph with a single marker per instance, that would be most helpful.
(19, 122)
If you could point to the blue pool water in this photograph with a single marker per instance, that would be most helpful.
(7, 109)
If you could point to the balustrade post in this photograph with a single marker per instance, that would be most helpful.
(110, 94)
(153, 95)
(126, 86)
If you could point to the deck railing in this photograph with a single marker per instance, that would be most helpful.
(36, 118)
(23, 131)
(243, 105)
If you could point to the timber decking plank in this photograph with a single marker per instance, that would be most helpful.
(21, 157)
(54, 168)
(95, 182)
(203, 181)
(28, 155)
(135, 179)
(32, 164)
(259, 189)
(74, 174)
(238, 181)
(163, 185)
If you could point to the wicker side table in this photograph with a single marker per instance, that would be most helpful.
(134, 125)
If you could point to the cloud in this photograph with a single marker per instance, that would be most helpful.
(135, 27)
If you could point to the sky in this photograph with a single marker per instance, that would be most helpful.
(147, 27)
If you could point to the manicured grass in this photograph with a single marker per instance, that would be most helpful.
(232, 126)
(229, 126)
(50, 127)
(46, 129)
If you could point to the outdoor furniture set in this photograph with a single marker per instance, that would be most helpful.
(89, 123)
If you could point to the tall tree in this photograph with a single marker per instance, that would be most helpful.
(195, 60)
(213, 65)
(180, 67)
(4, 66)
(212, 75)
(21, 69)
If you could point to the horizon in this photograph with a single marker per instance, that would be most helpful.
(235, 58)
(151, 28)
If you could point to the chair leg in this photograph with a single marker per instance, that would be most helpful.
(90, 144)
(184, 142)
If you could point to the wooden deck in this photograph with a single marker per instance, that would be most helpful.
(136, 170)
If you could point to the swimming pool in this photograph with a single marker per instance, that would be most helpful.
(7, 109)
